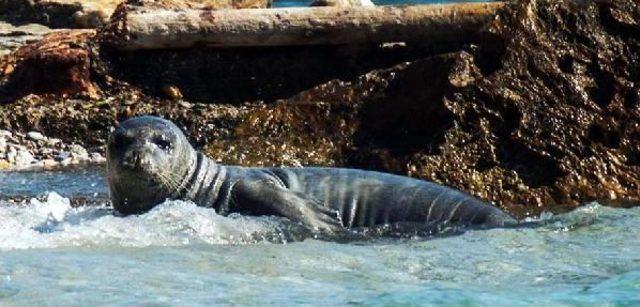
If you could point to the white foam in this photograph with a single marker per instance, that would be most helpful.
(54, 223)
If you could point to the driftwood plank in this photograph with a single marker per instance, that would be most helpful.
(133, 28)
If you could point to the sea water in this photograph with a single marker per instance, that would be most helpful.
(55, 252)
(287, 3)
(62, 244)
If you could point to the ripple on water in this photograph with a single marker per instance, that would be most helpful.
(180, 253)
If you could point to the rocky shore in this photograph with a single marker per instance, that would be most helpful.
(541, 113)
(33, 150)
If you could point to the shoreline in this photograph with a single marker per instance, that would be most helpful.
(34, 151)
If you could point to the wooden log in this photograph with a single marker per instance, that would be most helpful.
(132, 28)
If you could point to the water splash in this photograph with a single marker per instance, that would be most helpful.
(54, 223)
(180, 253)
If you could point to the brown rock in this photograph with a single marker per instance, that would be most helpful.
(57, 64)
(172, 92)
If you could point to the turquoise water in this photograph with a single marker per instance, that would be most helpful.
(285, 3)
(181, 254)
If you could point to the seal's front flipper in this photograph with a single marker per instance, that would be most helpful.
(265, 198)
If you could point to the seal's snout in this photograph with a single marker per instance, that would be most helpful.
(136, 160)
(131, 160)
(139, 156)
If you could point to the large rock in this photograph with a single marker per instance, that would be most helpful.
(544, 111)
(552, 112)
(58, 64)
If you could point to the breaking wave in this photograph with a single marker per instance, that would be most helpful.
(53, 222)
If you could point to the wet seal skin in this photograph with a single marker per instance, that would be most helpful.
(149, 160)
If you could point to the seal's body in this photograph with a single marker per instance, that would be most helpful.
(150, 160)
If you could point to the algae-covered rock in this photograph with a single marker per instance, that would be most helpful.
(542, 113)
(554, 105)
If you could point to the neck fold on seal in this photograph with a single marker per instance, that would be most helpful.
(203, 182)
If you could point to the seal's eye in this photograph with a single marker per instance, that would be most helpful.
(162, 143)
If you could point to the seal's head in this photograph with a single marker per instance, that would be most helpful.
(147, 160)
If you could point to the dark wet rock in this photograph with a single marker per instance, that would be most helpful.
(247, 74)
(551, 107)
(544, 111)
(54, 14)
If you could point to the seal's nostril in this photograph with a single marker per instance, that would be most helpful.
(132, 159)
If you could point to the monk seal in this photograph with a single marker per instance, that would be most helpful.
(149, 160)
